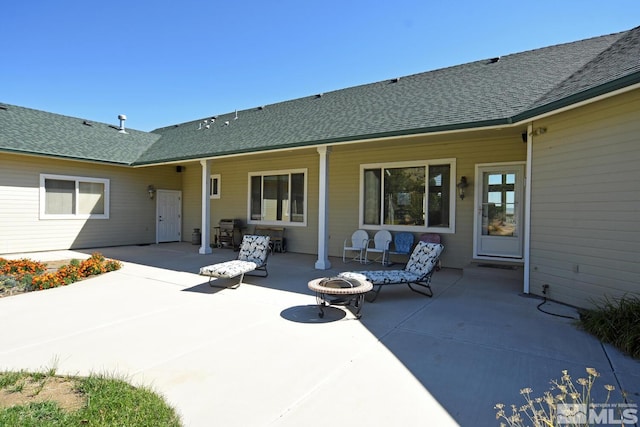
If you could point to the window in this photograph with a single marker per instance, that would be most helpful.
(68, 197)
(214, 186)
(277, 197)
(408, 196)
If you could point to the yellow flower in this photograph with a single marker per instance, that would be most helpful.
(609, 387)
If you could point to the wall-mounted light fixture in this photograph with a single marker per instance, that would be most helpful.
(538, 131)
(151, 190)
(461, 186)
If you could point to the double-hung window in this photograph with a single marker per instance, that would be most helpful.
(412, 196)
(278, 197)
(71, 197)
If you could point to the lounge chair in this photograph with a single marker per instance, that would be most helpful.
(356, 245)
(253, 254)
(417, 272)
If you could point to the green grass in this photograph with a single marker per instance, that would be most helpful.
(108, 401)
(616, 322)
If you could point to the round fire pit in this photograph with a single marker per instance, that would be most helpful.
(344, 292)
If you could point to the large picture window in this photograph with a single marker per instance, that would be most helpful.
(278, 197)
(413, 196)
(65, 197)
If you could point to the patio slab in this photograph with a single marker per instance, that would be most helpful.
(259, 355)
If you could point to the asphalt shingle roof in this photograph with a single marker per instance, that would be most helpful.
(471, 95)
(515, 87)
(27, 131)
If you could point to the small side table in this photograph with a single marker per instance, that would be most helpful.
(344, 290)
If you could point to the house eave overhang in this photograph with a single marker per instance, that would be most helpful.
(607, 90)
(63, 157)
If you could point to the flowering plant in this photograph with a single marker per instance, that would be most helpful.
(559, 409)
(33, 275)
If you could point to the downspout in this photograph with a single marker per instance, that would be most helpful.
(205, 226)
(527, 210)
(323, 208)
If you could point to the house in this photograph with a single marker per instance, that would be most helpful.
(528, 158)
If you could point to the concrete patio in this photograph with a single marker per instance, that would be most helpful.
(259, 355)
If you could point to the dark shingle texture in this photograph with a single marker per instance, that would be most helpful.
(27, 131)
(473, 95)
(619, 61)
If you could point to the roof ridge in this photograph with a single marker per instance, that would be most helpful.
(621, 36)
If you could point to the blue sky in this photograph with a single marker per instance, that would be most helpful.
(165, 62)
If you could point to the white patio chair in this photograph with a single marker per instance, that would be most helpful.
(381, 242)
(356, 245)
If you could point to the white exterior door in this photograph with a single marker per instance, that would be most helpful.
(499, 211)
(168, 216)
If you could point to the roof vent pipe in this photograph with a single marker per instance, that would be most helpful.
(122, 118)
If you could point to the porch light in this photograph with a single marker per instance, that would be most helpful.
(151, 190)
(461, 186)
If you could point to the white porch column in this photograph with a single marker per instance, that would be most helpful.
(323, 210)
(205, 226)
(527, 212)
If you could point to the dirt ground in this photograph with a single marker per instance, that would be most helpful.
(28, 389)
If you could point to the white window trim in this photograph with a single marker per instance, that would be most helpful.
(415, 228)
(213, 195)
(279, 172)
(77, 180)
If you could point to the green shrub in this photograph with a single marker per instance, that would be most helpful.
(617, 322)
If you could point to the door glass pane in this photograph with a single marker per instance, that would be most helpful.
(499, 214)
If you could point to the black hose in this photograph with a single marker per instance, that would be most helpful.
(544, 301)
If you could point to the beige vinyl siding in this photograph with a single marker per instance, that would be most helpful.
(131, 214)
(232, 204)
(585, 232)
(344, 185)
(466, 149)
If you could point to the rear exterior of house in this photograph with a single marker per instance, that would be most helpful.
(452, 155)
(547, 162)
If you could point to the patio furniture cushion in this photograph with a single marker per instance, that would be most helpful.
(253, 255)
(418, 270)
(229, 269)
